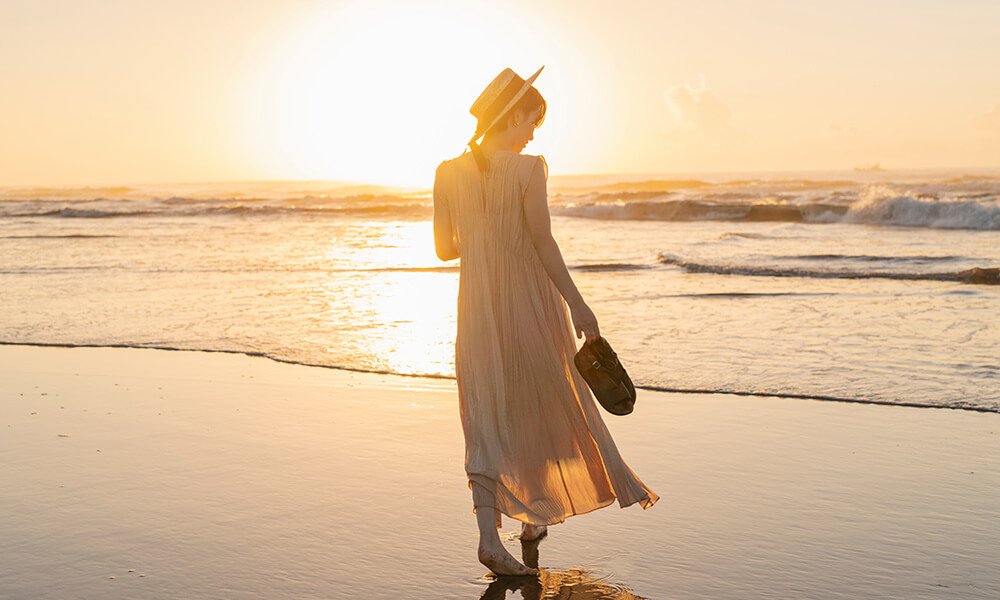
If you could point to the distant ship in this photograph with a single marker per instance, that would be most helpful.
(875, 167)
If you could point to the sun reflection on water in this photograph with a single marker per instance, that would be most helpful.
(419, 321)
(407, 316)
(380, 244)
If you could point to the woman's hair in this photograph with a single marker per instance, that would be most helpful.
(531, 100)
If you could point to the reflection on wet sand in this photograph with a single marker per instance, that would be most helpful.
(561, 584)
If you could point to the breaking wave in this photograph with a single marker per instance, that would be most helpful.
(877, 206)
(881, 205)
(928, 205)
(407, 206)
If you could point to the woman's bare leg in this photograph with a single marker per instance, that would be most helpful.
(491, 550)
(531, 532)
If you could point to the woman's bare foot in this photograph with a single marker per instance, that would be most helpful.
(531, 532)
(501, 562)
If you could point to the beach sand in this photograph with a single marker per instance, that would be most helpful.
(154, 474)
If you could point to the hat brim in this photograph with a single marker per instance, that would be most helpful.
(520, 93)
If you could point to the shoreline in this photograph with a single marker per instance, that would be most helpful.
(206, 475)
(430, 376)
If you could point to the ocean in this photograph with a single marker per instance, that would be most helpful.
(877, 287)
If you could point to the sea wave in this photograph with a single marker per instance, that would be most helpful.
(873, 258)
(80, 213)
(277, 357)
(355, 206)
(610, 267)
(878, 206)
(71, 236)
(975, 275)
(700, 210)
(929, 206)
(741, 235)
(883, 205)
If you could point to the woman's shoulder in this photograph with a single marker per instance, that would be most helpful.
(537, 160)
(521, 157)
(446, 165)
(519, 162)
(528, 165)
(447, 174)
(453, 165)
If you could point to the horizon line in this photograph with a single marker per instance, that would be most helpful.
(348, 182)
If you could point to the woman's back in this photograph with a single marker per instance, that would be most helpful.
(486, 209)
(534, 438)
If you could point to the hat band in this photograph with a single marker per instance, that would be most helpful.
(503, 98)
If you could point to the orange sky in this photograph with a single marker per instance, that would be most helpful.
(114, 91)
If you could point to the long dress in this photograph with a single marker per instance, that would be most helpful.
(534, 439)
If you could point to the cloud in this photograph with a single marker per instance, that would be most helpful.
(696, 108)
(991, 120)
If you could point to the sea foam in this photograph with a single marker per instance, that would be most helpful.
(884, 205)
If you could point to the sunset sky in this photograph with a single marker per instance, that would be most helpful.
(119, 91)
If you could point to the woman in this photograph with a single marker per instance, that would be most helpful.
(536, 448)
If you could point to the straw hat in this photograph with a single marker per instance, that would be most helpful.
(498, 99)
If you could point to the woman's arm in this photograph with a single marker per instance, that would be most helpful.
(444, 235)
(536, 210)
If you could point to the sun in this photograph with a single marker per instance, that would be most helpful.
(377, 91)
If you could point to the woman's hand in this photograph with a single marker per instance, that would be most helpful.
(584, 321)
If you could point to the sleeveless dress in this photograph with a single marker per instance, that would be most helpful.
(535, 442)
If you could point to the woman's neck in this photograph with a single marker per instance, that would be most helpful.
(495, 143)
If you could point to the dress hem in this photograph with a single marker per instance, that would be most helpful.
(646, 502)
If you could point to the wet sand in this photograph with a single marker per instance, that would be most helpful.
(153, 474)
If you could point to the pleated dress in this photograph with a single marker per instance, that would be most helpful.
(534, 439)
